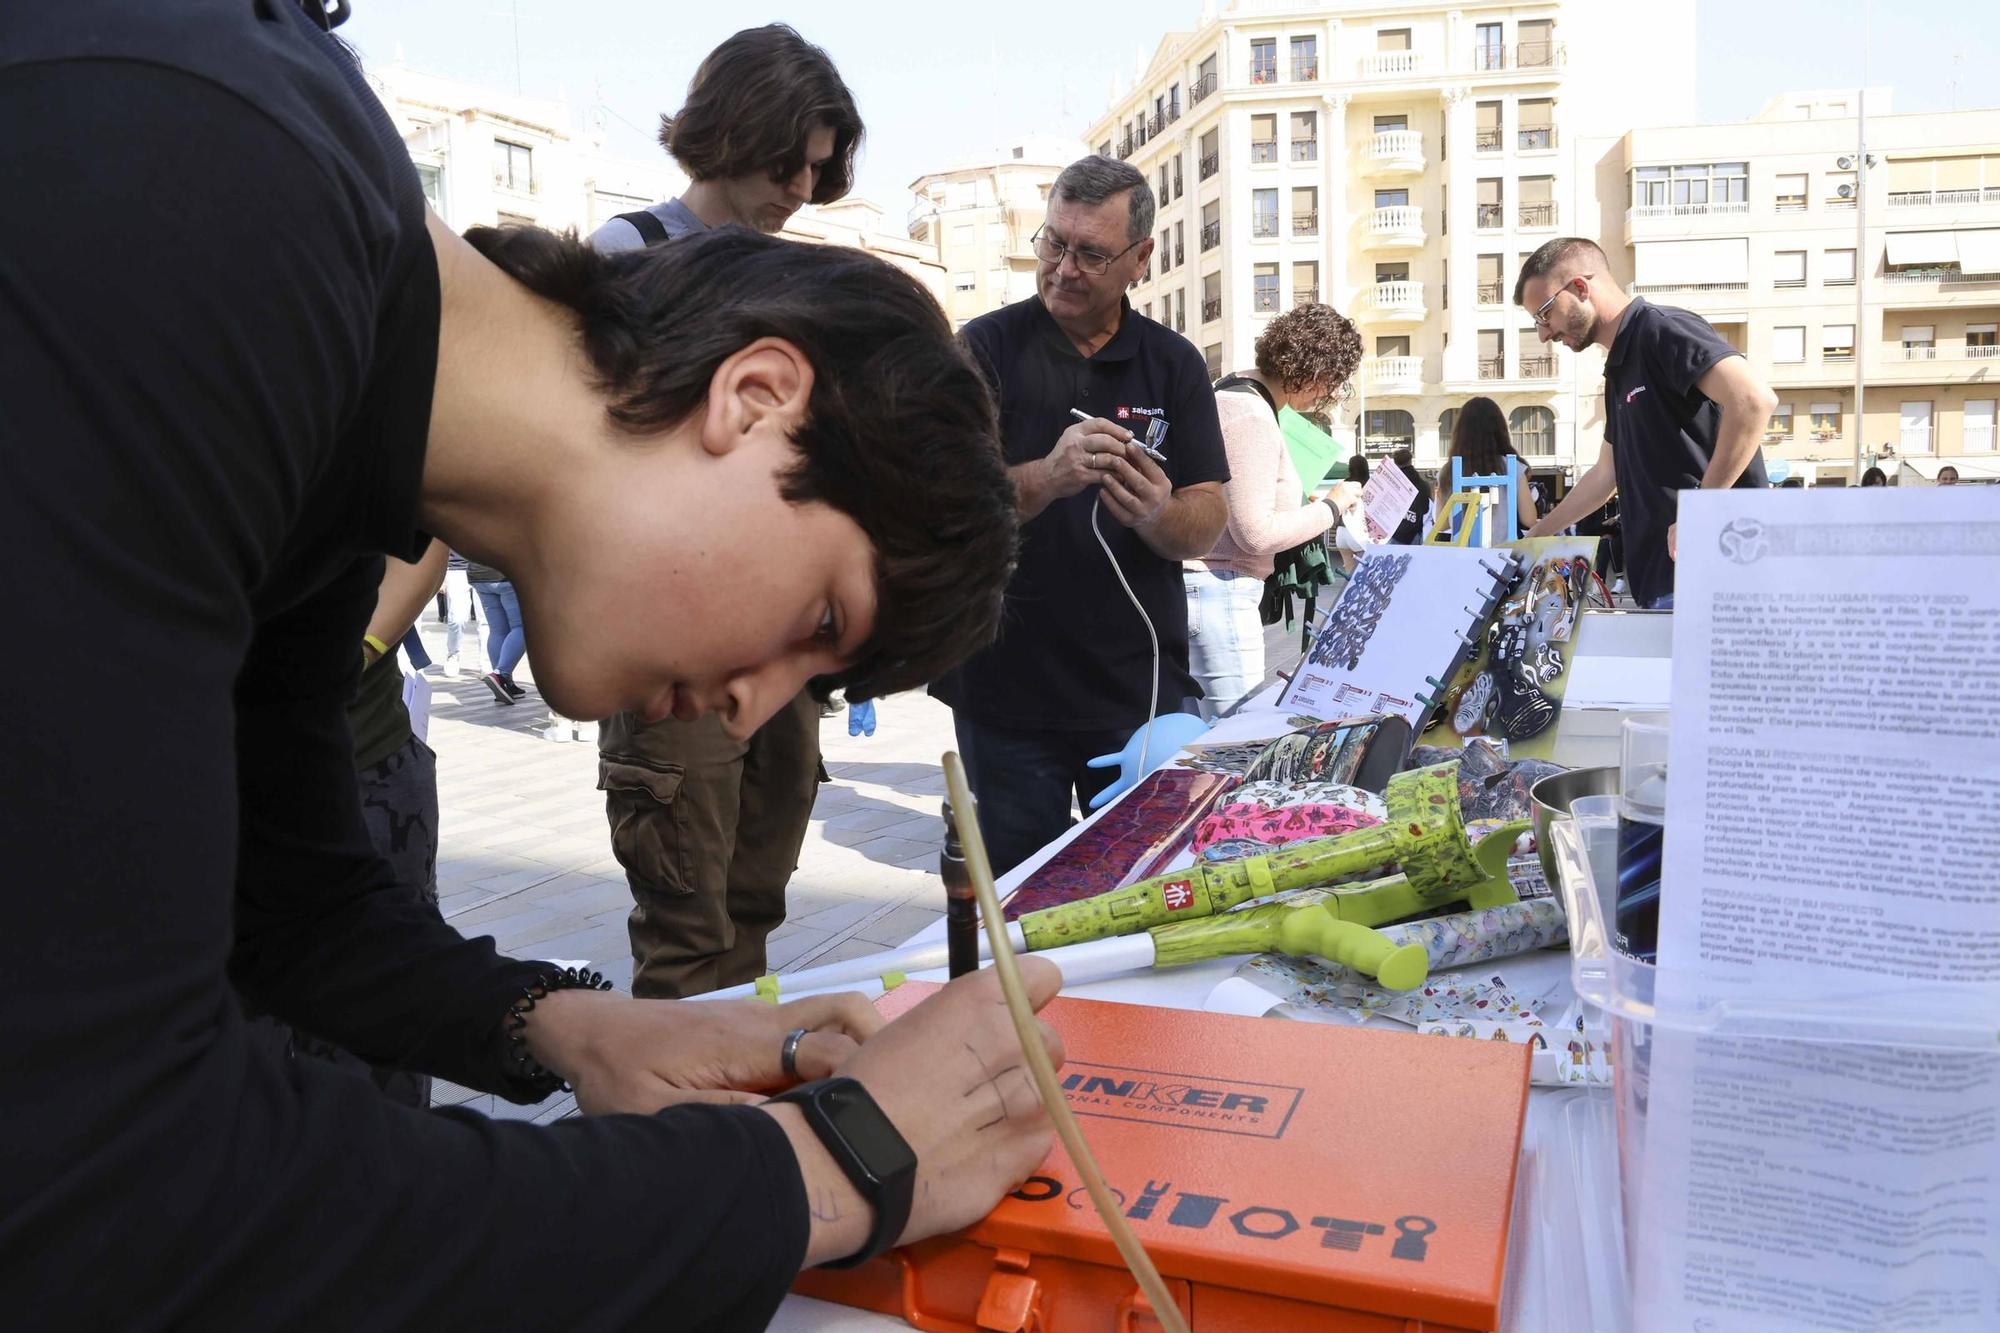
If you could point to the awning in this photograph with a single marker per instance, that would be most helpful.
(1979, 251)
(1923, 247)
(1692, 263)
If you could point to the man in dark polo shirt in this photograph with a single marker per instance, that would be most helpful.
(1682, 408)
(1071, 676)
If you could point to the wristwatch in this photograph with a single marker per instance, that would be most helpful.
(868, 1148)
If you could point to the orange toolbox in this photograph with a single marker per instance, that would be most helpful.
(1283, 1176)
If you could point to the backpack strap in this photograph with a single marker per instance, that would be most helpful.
(651, 230)
(1244, 384)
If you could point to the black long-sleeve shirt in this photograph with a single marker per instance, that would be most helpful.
(218, 336)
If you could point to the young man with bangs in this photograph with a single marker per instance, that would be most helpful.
(714, 470)
(707, 825)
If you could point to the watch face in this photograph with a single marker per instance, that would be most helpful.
(867, 1130)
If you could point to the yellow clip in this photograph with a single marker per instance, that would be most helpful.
(767, 988)
(891, 980)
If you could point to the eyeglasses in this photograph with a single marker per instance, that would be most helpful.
(1051, 251)
(1541, 315)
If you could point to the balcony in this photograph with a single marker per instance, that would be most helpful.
(1305, 69)
(1210, 164)
(1180, 251)
(1263, 150)
(1211, 310)
(1264, 71)
(1395, 374)
(1493, 368)
(1396, 152)
(1394, 65)
(1490, 293)
(1155, 123)
(1911, 352)
(1944, 198)
(1538, 215)
(1535, 138)
(1538, 367)
(1978, 440)
(1398, 301)
(1211, 235)
(1126, 145)
(1488, 140)
(1305, 296)
(1305, 224)
(1525, 55)
(1203, 86)
(1640, 212)
(1982, 352)
(1305, 150)
(1488, 217)
(1263, 226)
(1394, 228)
(1264, 300)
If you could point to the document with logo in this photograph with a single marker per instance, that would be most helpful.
(1385, 500)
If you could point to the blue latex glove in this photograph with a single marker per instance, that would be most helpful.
(861, 718)
(1170, 732)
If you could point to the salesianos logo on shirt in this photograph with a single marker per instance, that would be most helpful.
(1127, 413)
(1634, 394)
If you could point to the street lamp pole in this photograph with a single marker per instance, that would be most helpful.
(1863, 261)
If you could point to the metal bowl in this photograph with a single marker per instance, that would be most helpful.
(1552, 797)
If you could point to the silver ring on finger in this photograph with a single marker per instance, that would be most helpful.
(788, 1054)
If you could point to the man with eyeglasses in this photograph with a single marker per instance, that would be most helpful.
(1682, 408)
(1071, 676)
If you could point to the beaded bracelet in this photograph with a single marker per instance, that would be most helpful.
(521, 1064)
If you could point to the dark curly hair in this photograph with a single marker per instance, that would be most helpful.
(901, 433)
(1310, 344)
(752, 104)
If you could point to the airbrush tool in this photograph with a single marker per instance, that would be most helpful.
(1156, 434)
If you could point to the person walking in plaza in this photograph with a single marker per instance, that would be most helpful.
(713, 470)
(506, 633)
(1484, 447)
(1304, 360)
(708, 826)
(461, 629)
(1682, 408)
(1072, 674)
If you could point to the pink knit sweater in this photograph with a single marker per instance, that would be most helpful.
(1265, 516)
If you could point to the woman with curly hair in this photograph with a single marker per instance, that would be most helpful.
(1305, 358)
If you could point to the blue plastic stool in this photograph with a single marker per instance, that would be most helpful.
(1510, 508)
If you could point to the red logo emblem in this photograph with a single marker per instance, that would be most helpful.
(1124, 414)
(1179, 894)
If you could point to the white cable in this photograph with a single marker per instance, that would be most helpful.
(1153, 704)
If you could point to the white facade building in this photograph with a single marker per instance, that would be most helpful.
(979, 214)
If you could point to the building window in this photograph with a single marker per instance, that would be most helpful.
(1264, 289)
(1264, 138)
(1211, 224)
(1537, 124)
(514, 166)
(1916, 422)
(1788, 344)
(1211, 160)
(1780, 426)
(1391, 124)
(1978, 426)
(1305, 283)
(1837, 268)
(1104, 149)
(1180, 314)
(1447, 422)
(1840, 188)
(1178, 188)
(1204, 82)
(1392, 39)
(1212, 354)
(1166, 251)
(1488, 51)
(1790, 192)
(1180, 245)
(1919, 341)
(1538, 202)
(1305, 136)
(1386, 430)
(1492, 357)
(431, 177)
(1537, 47)
(1392, 198)
(1161, 194)
(1488, 218)
(1264, 60)
(1836, 342)
(1788, 268)
(1979, 342)
(1305, 211)
(963, 282)
(1824, 421)
(1492, 287)
(1211, 297)
(1486, 127)
(1305, 59)
(1263, 213)
(1534, 431)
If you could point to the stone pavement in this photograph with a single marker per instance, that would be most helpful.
(525, 854)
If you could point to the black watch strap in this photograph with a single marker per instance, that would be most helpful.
(868, 1148)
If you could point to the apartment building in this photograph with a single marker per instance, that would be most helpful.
(978, 216)
(1396, 161)
(1820, 271)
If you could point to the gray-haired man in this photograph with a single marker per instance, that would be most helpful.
(1072, 673)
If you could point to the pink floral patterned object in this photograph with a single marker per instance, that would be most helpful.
(1259, 816)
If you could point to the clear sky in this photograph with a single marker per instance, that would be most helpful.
(939, 79)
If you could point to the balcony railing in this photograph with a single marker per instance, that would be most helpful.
(1538, 215)
(1211, 309)
(1155, 124)
(1399, 371)
(1400, 295)
(1305, 150)
(1264, 300)
(1210, 164)
(1644, 288)
(1945, 276)
(1263, 150)
(1203, 86)
(1392, 65)
(1979, 439)
(1493, 368)
(1490, 293)
(1539, 55)
(1917, 352)
(1263, 225)
(1305, 224)
(1843, 354)
(1305, 295)
(1982, 351)
(1126, 145)
(1639, 211)
(1487, 140)
(1488, 217)
(1180, 251)
(1916, 439)
(1305, 69)
(1533, 137)
(1401, 223)
(1211, 235)
(1262, 71)
(1398, 148)
(1538, 367)
(1793, 203)
(1943, 198)
(1489, 57)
